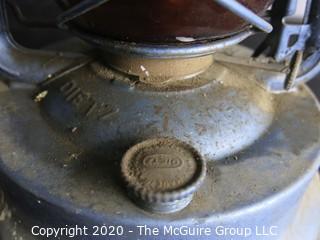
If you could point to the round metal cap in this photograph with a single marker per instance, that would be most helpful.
(162, 174)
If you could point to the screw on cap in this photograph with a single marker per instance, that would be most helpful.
(162, 174)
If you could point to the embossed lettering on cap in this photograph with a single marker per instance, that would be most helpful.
(162, 174)
(162, 161)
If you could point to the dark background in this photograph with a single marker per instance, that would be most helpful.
(315, 85)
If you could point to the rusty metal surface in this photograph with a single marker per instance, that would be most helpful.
(60, 148)
(75, 137)
(162, 174)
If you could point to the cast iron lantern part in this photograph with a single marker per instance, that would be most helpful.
(162, 174)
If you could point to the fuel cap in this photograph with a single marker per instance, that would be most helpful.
(162, 174)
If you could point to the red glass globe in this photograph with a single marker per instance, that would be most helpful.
(164, 21)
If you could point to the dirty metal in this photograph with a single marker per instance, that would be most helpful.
(162, 174)
(94, 143)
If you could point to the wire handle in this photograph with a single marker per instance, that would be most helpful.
(246, 14)
(78, 10)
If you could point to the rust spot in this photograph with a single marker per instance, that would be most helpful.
(157, 109)
(165, 124)
(201, 129)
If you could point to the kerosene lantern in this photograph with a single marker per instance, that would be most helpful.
(165, 127)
